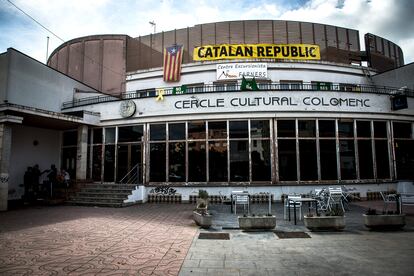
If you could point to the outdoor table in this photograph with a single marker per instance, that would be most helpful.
(303, 199)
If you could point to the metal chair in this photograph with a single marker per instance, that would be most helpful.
(322, 197)
(297, 205)
(335, 198)
(392, 198)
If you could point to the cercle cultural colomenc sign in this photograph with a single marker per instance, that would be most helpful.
(257, 51)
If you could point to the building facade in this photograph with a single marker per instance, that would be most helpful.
(318, 112)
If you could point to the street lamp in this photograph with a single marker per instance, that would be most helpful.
(152, 23)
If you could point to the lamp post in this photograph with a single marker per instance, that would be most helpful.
(152, 23)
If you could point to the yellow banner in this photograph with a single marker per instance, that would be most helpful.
(255, 51)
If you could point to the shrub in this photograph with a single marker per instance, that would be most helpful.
(203, 194)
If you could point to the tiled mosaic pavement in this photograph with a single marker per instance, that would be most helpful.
(68, 240)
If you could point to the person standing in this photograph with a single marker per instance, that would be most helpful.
(28, 185)
(52, 178)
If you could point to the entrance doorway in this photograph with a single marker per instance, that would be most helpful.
(129, 156)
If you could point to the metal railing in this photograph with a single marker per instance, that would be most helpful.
(211, 88)
(133, 176)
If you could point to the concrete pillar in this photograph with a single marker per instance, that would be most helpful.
(82, 153)
(5, 151)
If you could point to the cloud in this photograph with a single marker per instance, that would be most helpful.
(76, 18)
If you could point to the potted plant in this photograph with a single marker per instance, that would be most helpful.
(332, 220)
(201, 216)
(386, 220)
(202, 197)
(265, 222)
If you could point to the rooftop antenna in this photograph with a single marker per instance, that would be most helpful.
(47, 48)
(152, 23)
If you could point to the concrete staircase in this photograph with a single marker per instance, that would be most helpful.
(102, 195)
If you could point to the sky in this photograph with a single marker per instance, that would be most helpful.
(391, 19)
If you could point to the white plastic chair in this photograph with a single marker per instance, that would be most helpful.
(392, 198)
(335, 198)
(241, 199)
(297, 205)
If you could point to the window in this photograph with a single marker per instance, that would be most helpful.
(157, 162)
(322, 86)
(197, 130)
(157, 132)
(328, 159)
(287, 159)
(291, 85)
(308, 160)
(346, 128)
(176, 131)
(326, 128)
(130, 133)
(366, 170)
(363, 129)
(239, 160)
(176, 171)
(217, 154)
(404, 150)
(239, 129)
(286, 128)
(217, 130)
(197, 161)
(347, 159)
(307, 128)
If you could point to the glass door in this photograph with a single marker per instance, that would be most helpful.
(129, 155)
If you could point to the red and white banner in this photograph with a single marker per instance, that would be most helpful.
(172, 63)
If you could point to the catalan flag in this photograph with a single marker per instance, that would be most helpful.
(172, 63)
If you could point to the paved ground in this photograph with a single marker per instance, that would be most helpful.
(355, 251)
(160, 239)
(69, 240)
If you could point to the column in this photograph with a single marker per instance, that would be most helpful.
(82, 153)
(5, 150)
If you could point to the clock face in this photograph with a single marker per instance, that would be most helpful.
(127, 108)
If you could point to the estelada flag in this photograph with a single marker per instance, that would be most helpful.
(172, 62)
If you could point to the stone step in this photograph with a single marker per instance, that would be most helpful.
(102, 194)
(99, 199)
(93, 190)
(109, 186)
(99, 204)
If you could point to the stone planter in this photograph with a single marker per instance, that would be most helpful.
(204, 221)
(265, 222)
(384, 221)
(325, 223)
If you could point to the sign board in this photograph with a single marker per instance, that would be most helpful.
(313, 104)
(257, 51)
(234, 71)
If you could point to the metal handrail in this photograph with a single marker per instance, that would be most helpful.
(233, 87)
(133, 176)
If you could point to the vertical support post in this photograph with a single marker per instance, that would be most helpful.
(82, 153)
(5, 152)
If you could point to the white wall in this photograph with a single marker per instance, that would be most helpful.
(24, 154)
(33, 84)
(150, 109)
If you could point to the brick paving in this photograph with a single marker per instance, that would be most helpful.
(159, 239)
(69, 240)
